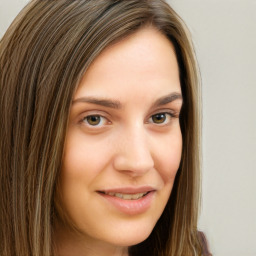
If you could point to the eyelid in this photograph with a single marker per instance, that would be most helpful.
(170, 113)
(94, 113)
(166, 121)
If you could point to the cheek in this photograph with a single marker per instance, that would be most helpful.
(85, 155)
(169, 157)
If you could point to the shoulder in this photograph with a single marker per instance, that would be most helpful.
(204, 243)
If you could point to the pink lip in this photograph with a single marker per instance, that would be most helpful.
(129, 190)
(130, 207)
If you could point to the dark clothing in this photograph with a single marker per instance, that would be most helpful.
(204, 243)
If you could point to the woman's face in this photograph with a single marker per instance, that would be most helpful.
(123, 144)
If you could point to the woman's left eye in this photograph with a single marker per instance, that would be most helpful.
(160, 118)
(94, 120)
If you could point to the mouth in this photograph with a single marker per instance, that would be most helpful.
(129, 200)
(126, 196)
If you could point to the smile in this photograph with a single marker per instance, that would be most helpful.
(129, 200)
(127, 196)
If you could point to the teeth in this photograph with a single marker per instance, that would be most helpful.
(127, 196)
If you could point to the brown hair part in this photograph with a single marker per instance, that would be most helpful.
(43, 56)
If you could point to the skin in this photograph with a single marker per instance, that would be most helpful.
(126, 148)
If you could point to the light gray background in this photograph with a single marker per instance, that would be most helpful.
(224, 33)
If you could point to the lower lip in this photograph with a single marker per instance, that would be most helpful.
(130, 207)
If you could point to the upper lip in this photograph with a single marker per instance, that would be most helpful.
(128, 190)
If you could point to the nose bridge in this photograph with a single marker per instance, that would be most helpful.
(134, 152)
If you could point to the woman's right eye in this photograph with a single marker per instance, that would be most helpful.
(95, 120)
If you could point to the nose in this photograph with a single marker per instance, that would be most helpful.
(133, 155)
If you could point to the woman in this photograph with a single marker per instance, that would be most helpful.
(100, 131)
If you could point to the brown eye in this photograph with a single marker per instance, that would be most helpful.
(93, 120)
(159, 118)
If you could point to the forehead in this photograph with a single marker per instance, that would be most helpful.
(144, 60)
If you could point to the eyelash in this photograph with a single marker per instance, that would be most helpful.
(167, 119)
(85, 119)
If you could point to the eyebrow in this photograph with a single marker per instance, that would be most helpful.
(115, 104)
(168, 99)
(102, 102)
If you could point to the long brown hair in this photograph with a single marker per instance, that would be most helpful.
(43, 56)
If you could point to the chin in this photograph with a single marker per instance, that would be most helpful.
(131, 238)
